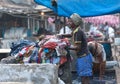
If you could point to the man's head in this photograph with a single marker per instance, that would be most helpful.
(106, 23)
(76, 19)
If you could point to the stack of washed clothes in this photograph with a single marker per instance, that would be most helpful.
(49, 50)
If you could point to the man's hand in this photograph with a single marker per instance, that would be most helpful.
(72, 47)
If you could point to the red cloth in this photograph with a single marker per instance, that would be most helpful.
(51, 45)
(90, 39)
(24, 50)
(63, 59)
(65, 40)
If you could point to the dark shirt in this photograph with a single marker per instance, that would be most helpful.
(79, 36)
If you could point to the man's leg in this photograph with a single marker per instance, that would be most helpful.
(85, 80)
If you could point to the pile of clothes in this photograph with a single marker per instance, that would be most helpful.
(49, 50)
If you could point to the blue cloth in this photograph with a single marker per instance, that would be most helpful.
(46, 3)
(34, 55)
(84, 66)
(19, 45)
(46, 50)
(55, 60)
(85, 8)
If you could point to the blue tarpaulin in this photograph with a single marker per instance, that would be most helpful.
(85, 8)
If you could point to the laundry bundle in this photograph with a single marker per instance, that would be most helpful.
(49, 50)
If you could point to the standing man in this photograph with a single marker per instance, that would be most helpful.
(84, 58)
(106, 31)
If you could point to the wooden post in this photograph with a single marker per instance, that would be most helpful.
(28, 25)
(64, 25)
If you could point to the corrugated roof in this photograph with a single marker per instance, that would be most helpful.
(21, 6)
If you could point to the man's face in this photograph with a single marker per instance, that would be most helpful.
(71, 24)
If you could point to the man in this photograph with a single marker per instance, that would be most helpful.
(111, 33)
(84, 58)
(67, 29)
(106, 27)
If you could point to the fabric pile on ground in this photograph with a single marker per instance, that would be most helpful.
(49, 50)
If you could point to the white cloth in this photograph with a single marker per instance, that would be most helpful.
(111, 32)
(106, 31)
(93, 29)
(67, 30)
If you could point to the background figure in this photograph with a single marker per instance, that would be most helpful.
(111, 33)
(67, 29)
(105, 31)
(51, 28)
(93, 29)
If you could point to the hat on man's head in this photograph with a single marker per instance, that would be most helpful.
(77, 20)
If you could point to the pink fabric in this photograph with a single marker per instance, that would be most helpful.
(111, 19)
(51, 45)
(51, 20)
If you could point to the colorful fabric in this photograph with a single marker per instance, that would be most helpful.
(19, 45)
(51, 45)
(84, 66)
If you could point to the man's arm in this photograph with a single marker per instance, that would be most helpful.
(64, 35)
(76, 47)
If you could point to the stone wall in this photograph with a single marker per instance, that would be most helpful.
(28, 74)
